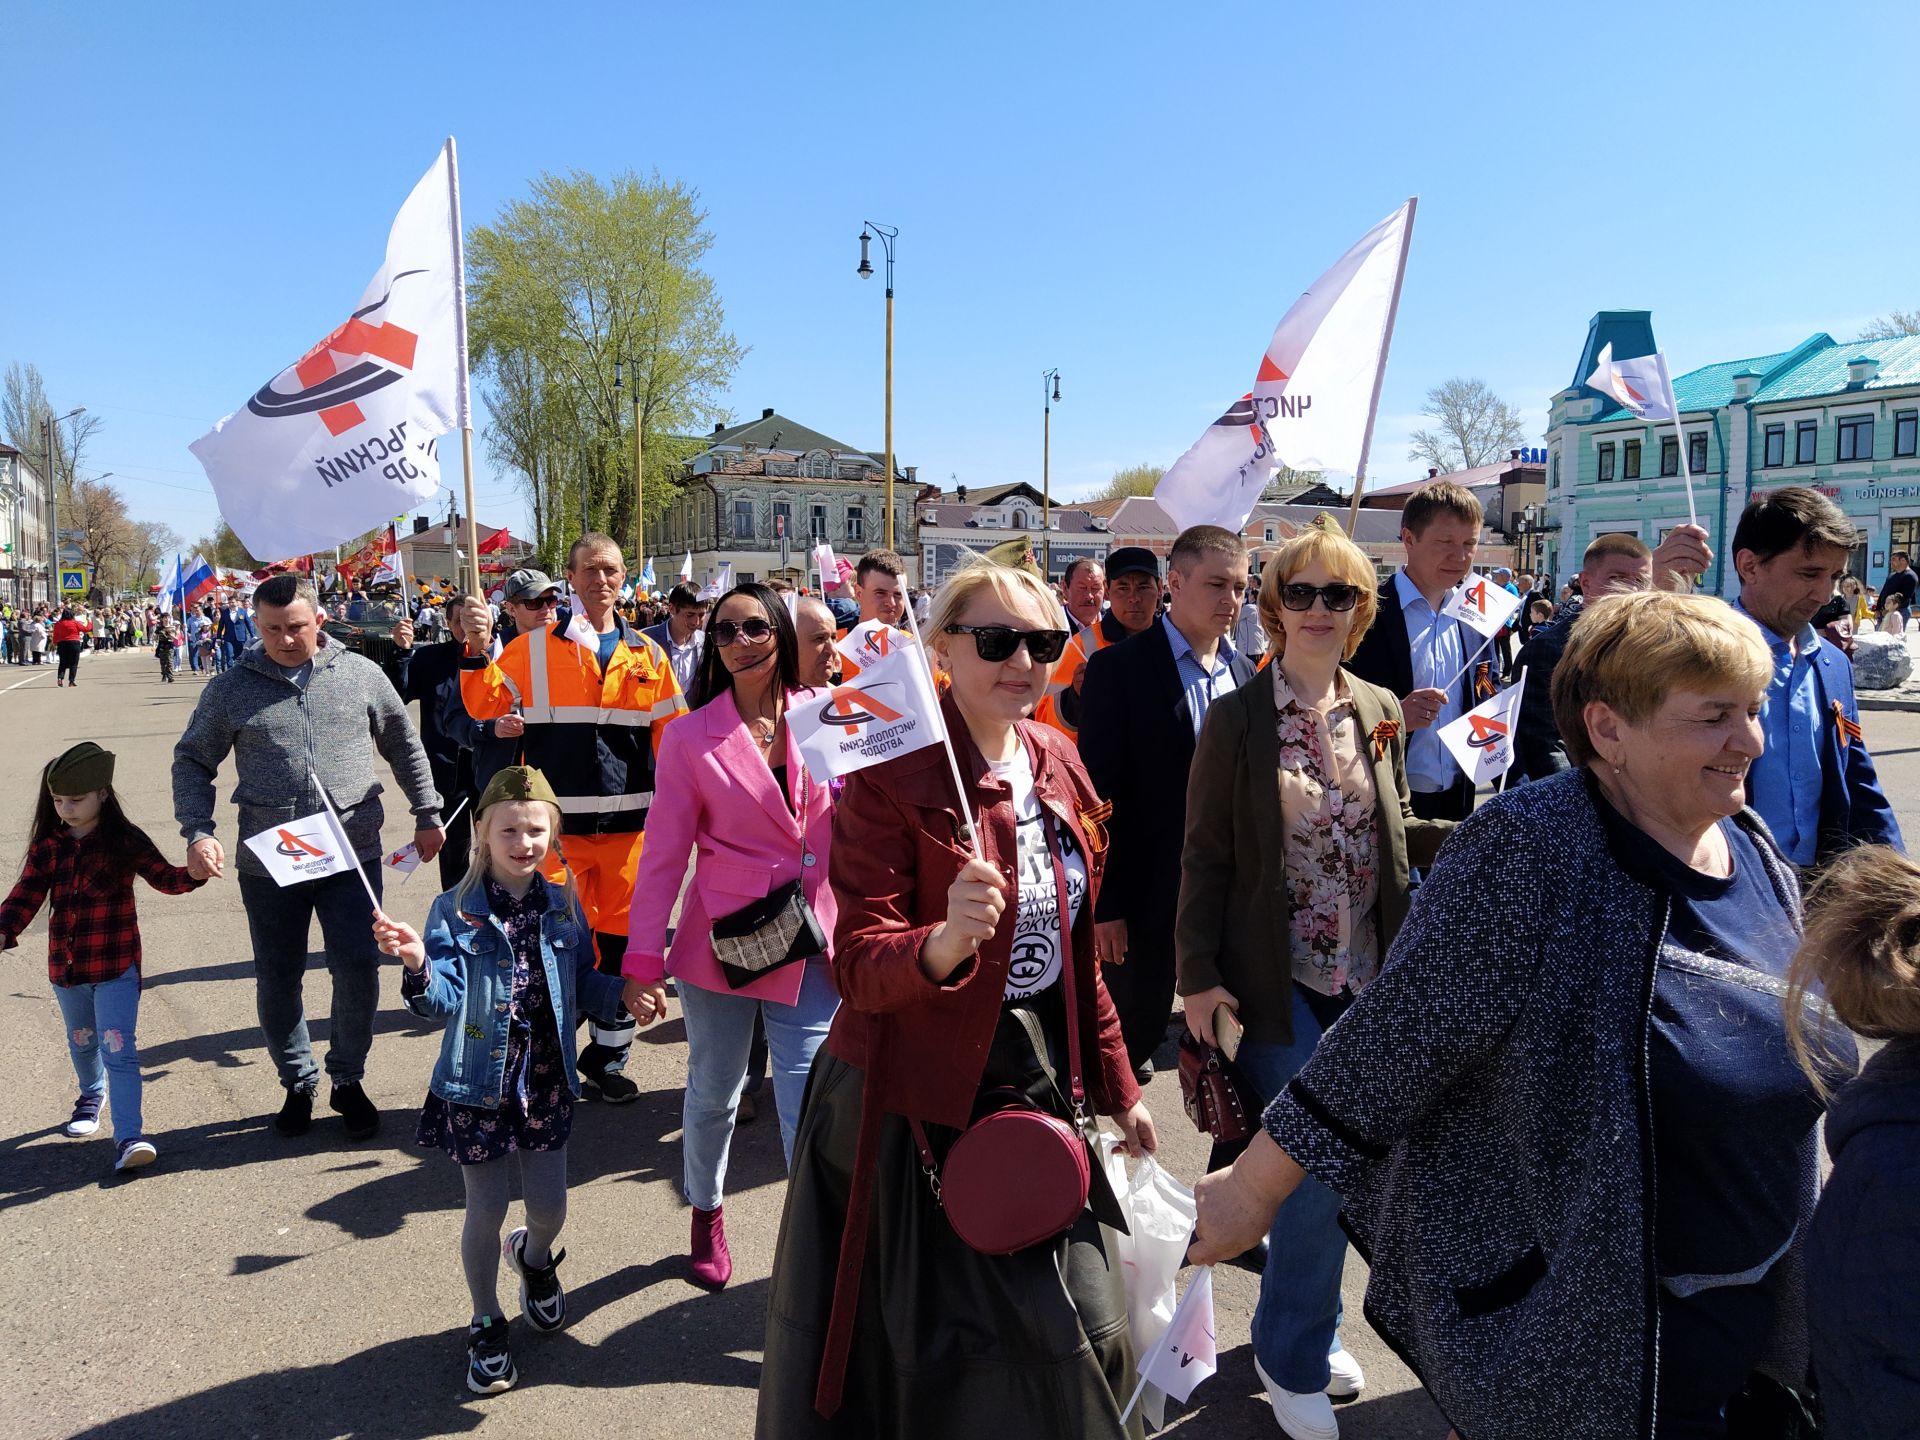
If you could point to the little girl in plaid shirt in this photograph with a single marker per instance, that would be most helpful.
(83, 856)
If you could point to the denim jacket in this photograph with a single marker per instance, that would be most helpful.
(469, 974)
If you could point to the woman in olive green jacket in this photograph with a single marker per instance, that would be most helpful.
(1293, 884)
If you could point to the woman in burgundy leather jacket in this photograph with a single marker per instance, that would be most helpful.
(881, 1320)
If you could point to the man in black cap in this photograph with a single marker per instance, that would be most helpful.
(1133, 598)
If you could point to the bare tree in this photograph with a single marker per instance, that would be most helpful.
(1473, 426)
(151, 543)
(24, 410)
(1892, 325)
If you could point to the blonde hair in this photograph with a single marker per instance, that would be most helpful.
(473, 882)
(1014, 586)
(1630, 651)
(1346, 561)
(1860, 956)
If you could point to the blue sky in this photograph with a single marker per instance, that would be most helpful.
(1133, 193)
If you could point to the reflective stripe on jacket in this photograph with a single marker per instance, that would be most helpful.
(594, 736)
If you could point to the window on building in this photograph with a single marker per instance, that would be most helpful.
(1697, 453)
(743, 520)
(1903, 536)
(783, 510)
(1630, 462)
(1669, 455)
(1906, 433)
(1019, 520)
(1775, 453)
(1856, 438)
(817, 522)
(856, 525)
(1553, 471)
(1604, 454)
(819, 465)
(1806, 441)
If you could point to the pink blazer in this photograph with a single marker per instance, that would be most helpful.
(713, 792)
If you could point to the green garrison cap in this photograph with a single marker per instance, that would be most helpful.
(86, 767)
(516, 782)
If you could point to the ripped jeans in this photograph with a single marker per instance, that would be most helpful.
(100, 1025)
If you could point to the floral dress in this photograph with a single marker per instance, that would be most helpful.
(1327, 801)
(536, 1104)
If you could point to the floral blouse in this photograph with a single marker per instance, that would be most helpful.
(1332, 861)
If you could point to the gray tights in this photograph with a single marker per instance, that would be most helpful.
(543, 1188)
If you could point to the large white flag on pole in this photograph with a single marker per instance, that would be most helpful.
(342, 439)
(1315, 392)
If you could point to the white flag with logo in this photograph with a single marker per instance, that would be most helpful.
(1641, 384)
(1482, 739)
(1483, 603)
(1311, 395)
(890, 709)
(824, 565)
(342, 439)
(872, 641)
(1186, 1354)
(303, 849)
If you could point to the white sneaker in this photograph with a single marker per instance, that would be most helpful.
(1304, 1417)
(1348, 1378)
(135, 1155)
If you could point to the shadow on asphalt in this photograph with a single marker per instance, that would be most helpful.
(1233, 1404)
(414, 1388)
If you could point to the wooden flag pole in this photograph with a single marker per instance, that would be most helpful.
(1380, 371)
(462, 393)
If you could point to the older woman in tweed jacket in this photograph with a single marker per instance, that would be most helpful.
(1564, 1120)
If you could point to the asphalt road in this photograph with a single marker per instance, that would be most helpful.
(310, 1289)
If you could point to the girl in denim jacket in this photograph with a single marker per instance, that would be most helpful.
(507, 961)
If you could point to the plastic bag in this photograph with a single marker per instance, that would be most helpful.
(1160, 1214)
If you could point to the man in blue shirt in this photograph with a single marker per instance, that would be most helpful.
(1815, 785)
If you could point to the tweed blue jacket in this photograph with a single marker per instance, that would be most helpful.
(1484, 1111)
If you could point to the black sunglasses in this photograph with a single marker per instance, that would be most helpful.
(725, 632)
(998, 642)
(1338, 597)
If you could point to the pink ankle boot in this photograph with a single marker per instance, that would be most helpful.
(712, 1260)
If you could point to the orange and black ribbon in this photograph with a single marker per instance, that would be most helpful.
(1849, 729)
(1094, 823)
(1483, 686)
(1382, 737)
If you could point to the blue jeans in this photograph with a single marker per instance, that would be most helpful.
(719, 1037)
(102, 1017)
(279, 918)
(1297, 1323)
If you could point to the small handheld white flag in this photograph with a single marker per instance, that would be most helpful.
(870, 642)
(1484, 605)
(1186, 1354)
(343, 438)
(406, 859)
(823, 563)
(686, 568)
(891, 710)
(1482, 739)
(1641, 384)
(647, 581)
(1312, 395)
(303, 849)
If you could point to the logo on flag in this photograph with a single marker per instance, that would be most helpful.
(891, 711)
(1641, 384)
(328, 388)
(870, 642)
(297, 846)
(1187, 1353)
(1483, 604)
(1482, 739)
(851, 707)
(405, 860)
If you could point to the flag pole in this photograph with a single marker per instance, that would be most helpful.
(1513, 758)
(1380, 371)
(340, 834)
(946, 737)
(463, 400)
(1448, 687)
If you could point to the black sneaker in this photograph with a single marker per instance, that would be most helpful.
(614, 1087)
(352, 1104)
(296, 1114)
(542, 1300)
(489, 1365)
(86, 1116)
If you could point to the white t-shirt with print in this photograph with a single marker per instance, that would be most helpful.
(1036, 928)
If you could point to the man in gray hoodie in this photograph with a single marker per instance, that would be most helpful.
(293, 707)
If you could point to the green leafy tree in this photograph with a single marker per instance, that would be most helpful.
(587, 299)
(1131, 481)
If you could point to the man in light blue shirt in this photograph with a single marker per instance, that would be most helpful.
(1785, 781)
(1203, 679)
(1438, 650)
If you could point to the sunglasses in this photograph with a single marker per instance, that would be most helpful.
(725, 632)
(1338, 597)
(995, 643)
(548, 601)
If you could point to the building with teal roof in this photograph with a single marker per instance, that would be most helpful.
(1842, 417)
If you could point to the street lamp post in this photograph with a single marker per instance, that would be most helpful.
(1049, 392)
(888, 234)
(53, 495)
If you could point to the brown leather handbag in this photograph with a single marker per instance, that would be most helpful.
(1018, 1176)
(1211, 1092)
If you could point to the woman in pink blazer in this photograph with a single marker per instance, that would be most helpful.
(730, 784)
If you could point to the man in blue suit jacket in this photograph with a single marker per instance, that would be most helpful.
(1815, 786)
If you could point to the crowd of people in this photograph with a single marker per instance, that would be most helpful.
(1553, 1060)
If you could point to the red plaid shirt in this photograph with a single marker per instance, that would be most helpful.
(93, 935)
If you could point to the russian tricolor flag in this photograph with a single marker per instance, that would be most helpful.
(185, 582)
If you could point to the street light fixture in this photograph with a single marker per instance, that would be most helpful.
(888, 234)
(1049, 392)
(53, 493)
